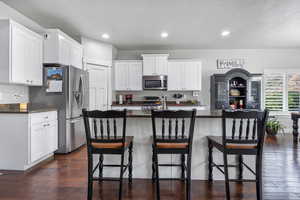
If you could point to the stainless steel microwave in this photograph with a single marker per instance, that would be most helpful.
(155, 82)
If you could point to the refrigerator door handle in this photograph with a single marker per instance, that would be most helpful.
(82, 90)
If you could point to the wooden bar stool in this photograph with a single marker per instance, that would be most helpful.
(176, 141)
(102, 140)
(244, 140)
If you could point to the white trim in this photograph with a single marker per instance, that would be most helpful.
(97, 62)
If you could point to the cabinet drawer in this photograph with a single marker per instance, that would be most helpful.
(43, 117)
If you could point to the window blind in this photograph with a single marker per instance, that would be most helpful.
(293, 88)
(274, 91)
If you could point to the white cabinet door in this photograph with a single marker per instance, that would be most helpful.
(149, 66)
(162, 65)
(135, 76)
(184, 75)
(64, 50)
(192, 76)
(34, 69)
(121, 76)
(76, 56)
(175, 76)
(52, 135)
(38, 141)
(19, 53)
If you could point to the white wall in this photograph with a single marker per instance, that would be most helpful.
(97, 52)
(16, 93)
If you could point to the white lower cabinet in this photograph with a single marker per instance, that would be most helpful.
(43, 134)
(27, 139)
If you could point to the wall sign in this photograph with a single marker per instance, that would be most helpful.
(230, 63)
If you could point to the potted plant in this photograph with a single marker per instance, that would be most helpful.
(274, 126)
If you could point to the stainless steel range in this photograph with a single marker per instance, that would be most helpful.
(151, 103)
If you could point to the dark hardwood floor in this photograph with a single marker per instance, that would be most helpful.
(65, 178)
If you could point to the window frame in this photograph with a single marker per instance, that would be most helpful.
(285, 106)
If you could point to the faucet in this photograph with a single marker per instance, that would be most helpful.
(164, 102)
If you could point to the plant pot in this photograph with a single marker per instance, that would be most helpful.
(271, 131)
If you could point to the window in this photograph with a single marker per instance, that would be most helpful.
(293, 88)
(282, 90)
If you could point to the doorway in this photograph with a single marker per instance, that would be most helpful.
(99, 84)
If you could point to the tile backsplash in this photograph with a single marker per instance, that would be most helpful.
(13, 94)
(139, 96)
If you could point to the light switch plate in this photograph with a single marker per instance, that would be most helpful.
(1, 96)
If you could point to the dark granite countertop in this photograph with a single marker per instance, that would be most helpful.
(199, 114)
(31, 108)
(169, 103)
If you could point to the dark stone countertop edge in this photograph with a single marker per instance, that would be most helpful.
(18, 111)
(199, 114)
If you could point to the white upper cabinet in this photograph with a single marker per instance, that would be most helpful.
(60, 48)
(184, 75)
(155, 64)
(175, 80)
(128, 75)
(21, 55)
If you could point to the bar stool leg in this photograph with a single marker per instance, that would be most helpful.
(182, 167)
(121, 176)
(153, 165)
(259, 177)
(157, 176)
(226, 176)
(240, 167)
(210, 160)
(130, 163)
(90, 176)
(188, 182)
(101, 158)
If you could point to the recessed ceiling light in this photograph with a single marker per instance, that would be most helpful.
(225, 33)
(164, 35)
(105, 36)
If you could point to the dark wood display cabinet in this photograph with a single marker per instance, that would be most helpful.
(236, 89)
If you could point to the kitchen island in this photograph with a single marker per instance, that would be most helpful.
(139, 125)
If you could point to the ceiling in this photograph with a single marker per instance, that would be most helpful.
(191, 24)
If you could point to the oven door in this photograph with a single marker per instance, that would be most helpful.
(154, 83)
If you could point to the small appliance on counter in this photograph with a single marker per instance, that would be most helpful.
(128, 98)
(177, 96)
(119, 99)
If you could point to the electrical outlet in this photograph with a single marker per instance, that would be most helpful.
(196, 93)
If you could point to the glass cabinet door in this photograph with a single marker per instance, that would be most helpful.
(254, 95)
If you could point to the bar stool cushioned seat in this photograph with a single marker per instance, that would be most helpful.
(113, 145)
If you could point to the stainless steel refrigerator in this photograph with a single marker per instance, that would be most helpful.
(66, 88)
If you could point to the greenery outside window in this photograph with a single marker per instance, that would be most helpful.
(282, 90)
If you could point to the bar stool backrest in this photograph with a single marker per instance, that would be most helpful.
(102, 126)
(173, 126)
(248, 127)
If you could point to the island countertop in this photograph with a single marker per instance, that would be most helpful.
(199, 114)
